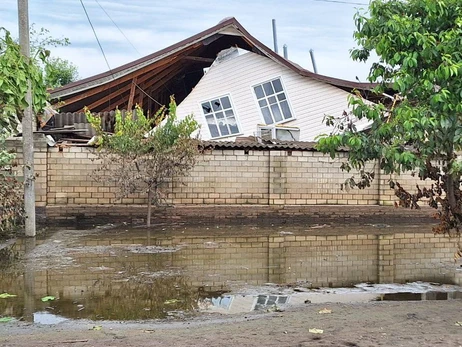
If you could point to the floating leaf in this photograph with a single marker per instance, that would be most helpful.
(6, 319)
(316, 331)
(171, 301)
(6, 296)
(459, 324)
(325, 311)
(48, 298)
(97, 327)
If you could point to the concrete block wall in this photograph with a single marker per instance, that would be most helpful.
(221, 177)
(270, 178)
(71, 180)
(40, 165)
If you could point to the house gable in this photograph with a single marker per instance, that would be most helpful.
(309, 99)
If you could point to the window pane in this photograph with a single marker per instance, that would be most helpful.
(206, 107)
(212, 126)
(229, 113)
(281, 96)
(276, 113)
(259, 92)
(216, 104)
(225, 102)
(272, 100)
(268, 88)
(219, 115)
(286, 110)
(262, 103)
(277, 85)
(267, 115)
(233, 125)
(223, 127)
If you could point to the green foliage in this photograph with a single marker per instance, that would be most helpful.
(15, 72)
(59, 72)
(56, 72)
(145, 154)
(418, 44)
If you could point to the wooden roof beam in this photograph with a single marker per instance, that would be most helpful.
(165, 72)
(132, 94)
(128, 77)
(199, 59)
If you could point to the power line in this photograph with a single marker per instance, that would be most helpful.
(107, 14)
(104, 54)
(96, 36)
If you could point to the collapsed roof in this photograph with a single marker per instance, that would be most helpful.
(175, 70)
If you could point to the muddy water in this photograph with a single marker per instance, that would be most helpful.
(173, 272)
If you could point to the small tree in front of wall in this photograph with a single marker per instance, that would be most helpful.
(145, 154)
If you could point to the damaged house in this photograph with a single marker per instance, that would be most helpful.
(233, 84)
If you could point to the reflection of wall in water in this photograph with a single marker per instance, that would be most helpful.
(216, 263)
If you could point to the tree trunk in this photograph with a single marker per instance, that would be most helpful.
(148, 222)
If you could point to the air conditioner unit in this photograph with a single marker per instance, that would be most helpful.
(278, 132)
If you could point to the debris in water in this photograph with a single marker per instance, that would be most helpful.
(6, 296)
(48, 298)
(285, 233)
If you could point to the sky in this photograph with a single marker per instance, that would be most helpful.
(146, 26)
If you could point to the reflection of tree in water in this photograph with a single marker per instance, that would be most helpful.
(141, 298)
(8, 255)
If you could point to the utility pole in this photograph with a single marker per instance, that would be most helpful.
(27, 126)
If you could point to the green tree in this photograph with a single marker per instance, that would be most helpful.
(418, 43)
(57, 71)
(144, 155)
(15, 71)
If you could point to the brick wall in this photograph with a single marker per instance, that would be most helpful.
(40, 165)
(221, 177)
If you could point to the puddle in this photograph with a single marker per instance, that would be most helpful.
(131, 274)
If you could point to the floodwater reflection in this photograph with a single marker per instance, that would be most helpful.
(130, 274)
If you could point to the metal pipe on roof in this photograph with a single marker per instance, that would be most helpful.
(275, 36)
(315, 69)
(286, 55)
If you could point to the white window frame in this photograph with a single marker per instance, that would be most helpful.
(278, 102)
(212, 113)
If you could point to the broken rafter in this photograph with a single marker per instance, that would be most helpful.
(199, 59)
(143, 83)
(128, 77)
(132, 93)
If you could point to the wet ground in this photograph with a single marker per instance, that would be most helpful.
(128, 273)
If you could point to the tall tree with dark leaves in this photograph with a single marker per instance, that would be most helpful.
(418, 43)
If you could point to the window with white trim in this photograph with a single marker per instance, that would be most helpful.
(273, 102)
(220, 117)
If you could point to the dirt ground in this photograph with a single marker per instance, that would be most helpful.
(420, 323)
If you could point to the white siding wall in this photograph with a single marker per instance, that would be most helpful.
(310, 100)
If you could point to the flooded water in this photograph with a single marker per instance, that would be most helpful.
(173, 273)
